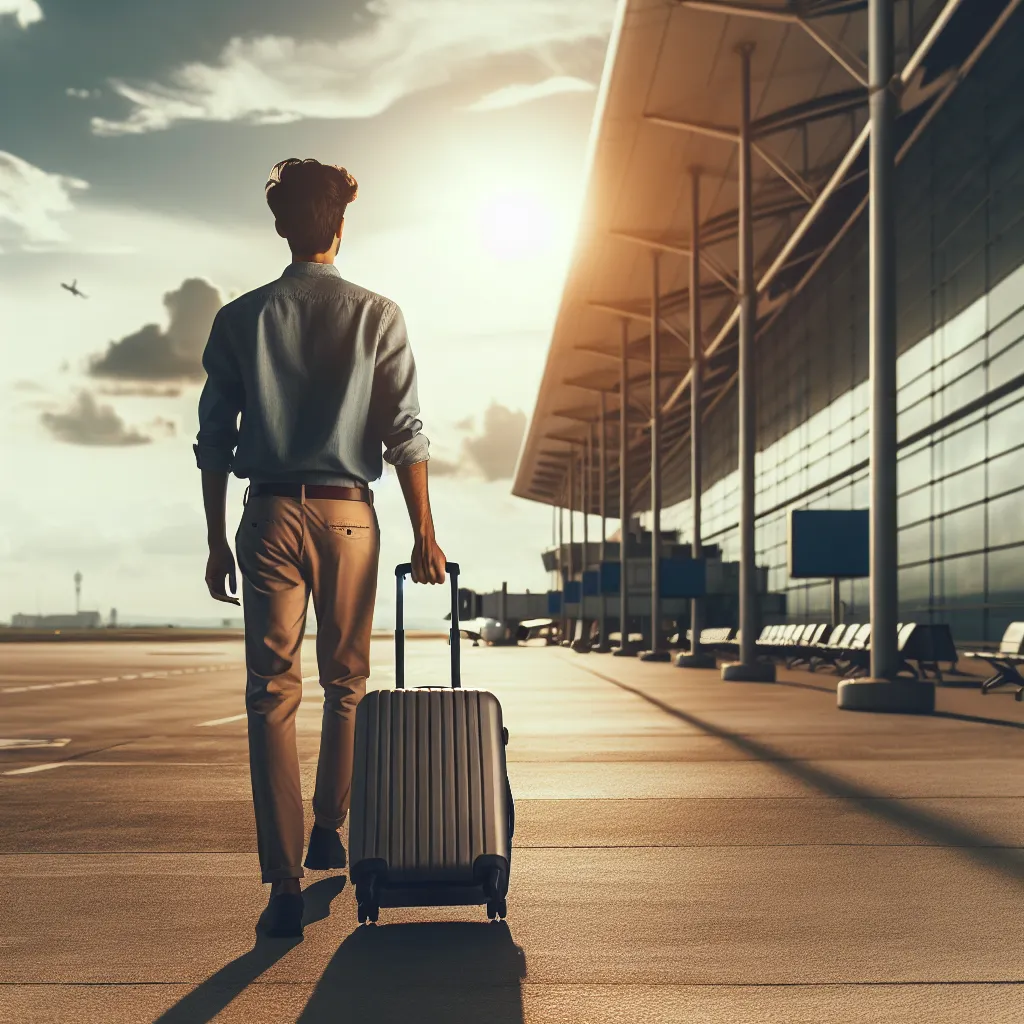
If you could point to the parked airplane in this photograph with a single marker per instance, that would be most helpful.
(489, 631)
(73, 288)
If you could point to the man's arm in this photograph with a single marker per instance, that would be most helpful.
(395, 415)
(428, 559)
(220, 564)
(219, 406)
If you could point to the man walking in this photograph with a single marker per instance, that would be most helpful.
(322, 377)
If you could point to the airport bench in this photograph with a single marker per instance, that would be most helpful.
(923, 648)
(1006, 661)
(711, 637)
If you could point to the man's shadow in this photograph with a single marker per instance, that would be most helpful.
(211, 996)
(443, 973)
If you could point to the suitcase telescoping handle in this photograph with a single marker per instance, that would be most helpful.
(401, 571)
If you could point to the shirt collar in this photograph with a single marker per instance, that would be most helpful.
(311, 270)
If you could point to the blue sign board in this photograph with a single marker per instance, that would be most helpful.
(828, 543)
(591, 583)
(680, 577)
(611, 573)
(572, 591)
(683, 577)
(554, 602)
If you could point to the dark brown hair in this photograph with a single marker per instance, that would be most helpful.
(308, 200)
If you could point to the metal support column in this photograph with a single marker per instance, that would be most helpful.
(582, 644)
(625, 649)
(602, 482)
(571, 558)
(656, 652)
(748, 668)
(561, 558)
(585, 483)
(696, 658)
(883, 691)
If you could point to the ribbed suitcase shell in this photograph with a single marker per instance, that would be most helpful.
(429, 792)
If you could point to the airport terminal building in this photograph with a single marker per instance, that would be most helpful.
(665, 219)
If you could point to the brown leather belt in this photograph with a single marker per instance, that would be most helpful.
(314, 491)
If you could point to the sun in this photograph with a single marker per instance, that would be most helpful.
(516, 224)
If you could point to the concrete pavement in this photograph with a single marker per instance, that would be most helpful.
(686, 850)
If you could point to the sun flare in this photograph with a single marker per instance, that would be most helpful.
(516, 225)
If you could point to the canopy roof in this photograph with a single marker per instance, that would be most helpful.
(670, 102)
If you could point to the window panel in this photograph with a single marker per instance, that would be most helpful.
(915, 506)
(1006, 334)
(961, 449)
(915, 469)
(960, 532)
(963, 489)
(1006, 473)
(964, 328)
(1006, 298)
(971, 358)
(1006, 428)
(915, 585)
(1007, 365)
(916, 418)
(914, 543)
(1006, 575)
(965, 390)
(1006, 519)
(962, 579)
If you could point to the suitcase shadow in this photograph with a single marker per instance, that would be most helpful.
(432, 973)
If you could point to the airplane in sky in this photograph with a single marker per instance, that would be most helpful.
(73, 288)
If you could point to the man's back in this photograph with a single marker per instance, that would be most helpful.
(322, 374)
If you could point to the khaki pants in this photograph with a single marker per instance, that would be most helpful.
(287, 550)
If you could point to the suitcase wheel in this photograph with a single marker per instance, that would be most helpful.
(368, 912)
(367, 907)
(497, 910)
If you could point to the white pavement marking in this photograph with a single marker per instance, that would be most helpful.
(224, 721)
(122, 764)
(118, 679)
(35, 768)
(26, 744)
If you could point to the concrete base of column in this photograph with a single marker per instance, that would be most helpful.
(663, 656)
(581, 646)
(629, 651)
(906, 696)
(602, 647)
(698, 660)
(757, 672)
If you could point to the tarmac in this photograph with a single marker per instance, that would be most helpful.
(686, 850)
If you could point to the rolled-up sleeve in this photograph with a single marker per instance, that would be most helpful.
(395, 407)
(220, 402)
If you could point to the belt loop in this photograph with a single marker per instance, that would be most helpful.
(245, 497)
(302, 494)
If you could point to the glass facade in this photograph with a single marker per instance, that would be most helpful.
(960, 239)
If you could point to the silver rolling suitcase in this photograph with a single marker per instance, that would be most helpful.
(432, 814)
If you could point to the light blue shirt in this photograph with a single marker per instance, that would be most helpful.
(322, 377)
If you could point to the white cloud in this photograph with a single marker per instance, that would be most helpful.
(409, 46)
(31, 201)
(81, 94)
(516, 95)
(24, 12)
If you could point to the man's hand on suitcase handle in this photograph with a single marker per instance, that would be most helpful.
(428, 560)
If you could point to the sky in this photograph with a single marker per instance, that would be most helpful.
(135, 140)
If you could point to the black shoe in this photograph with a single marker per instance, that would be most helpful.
(283, 917)
(326, 850)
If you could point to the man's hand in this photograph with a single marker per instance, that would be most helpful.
(428, 561)
(221, 565)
